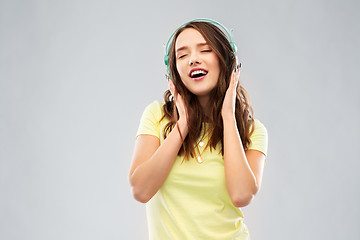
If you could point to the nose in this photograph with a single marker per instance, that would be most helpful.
(194, 60)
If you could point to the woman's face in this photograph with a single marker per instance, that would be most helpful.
(196, 63)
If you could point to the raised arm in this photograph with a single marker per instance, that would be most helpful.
(243, 169)
(151, 161)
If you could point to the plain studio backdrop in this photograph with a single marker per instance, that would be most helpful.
(75, 77)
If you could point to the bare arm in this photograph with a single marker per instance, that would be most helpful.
(243, 170)
(152, 162)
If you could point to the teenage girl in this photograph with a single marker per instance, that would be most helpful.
(200, 155)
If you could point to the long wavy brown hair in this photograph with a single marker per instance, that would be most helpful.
(219, 43)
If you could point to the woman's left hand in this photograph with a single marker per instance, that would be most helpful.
(228, 107)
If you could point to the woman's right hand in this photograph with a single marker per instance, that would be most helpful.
(179, 101)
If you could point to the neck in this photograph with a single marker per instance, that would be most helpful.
(204, 102)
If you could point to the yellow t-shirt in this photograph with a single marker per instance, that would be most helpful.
(193, 202)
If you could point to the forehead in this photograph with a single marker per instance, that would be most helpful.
(189, 37)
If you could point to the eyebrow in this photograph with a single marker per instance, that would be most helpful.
(186, 47)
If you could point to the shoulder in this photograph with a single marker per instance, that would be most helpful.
(259, 137)
(155, 109)
(259, 127)
(150, 120)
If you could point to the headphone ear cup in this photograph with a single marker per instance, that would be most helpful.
(166, 59)
(168, 73)
(234, 47)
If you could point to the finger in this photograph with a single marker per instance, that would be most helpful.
(171, 86)
(237, 77)
(173, 91)
(232, 79)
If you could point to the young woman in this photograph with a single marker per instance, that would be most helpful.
(199, 156)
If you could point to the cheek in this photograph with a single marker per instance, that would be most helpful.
(181, 69)
(216, 63)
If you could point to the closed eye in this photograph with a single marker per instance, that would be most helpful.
(208, 50)
(181, 56)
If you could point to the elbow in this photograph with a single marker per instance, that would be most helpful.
(138, 193)
(140, 196)
(142, 199)
(242, 200)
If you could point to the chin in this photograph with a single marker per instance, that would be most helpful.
(200, 93)
(201, 89)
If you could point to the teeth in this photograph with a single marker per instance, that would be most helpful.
(198, 72)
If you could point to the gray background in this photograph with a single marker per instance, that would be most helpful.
(75, 77)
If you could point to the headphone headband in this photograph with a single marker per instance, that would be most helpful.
(167, 47)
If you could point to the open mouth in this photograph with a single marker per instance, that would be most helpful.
(198, 74)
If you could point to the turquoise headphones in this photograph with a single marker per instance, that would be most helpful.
(225, 30)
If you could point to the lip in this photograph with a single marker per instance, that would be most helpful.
(199, 78)
(195, 69)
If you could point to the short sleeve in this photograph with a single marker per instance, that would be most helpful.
(259, 138)
(149, 123)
